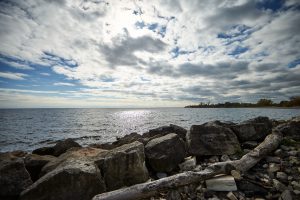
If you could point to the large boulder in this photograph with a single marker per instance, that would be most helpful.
(14, 177)
(253, 129)
(124, 166)
(44, 151)
(74, 180)
(291, 129)
(34, 163)
(62, 146)
(165, 153)
(212, 139)
(73, 175)
(164, 130)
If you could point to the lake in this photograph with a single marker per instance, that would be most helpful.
(27, 129)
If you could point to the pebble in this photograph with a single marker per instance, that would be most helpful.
(285, 148)
(292, 153)
(278, 185)
(161, 175)
(282, 176)
(273, 159)
(236, 174)
(295, 185)
(273, 167)
(225, 158)
(279, 153)
(213, 159)
(221, 183)
(231, 196)
(286, 195)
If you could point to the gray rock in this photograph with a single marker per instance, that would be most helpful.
(224, 158)
(273, 167)
(253, 129)
(14, 177)
(286, 195)
(165, 153)
(221, 183)
(74, 179)
(173, 195)
(34, 163)
(282, 176)
(278, 185)
(188, 164)
(62, 146)
(160, 175)
(291, 129)
(273, 159)
(164, 130)
(124, 166)
(212, 139)
(231, 196)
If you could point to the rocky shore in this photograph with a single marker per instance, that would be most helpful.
(70, 171)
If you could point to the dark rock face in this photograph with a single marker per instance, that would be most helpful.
(291, 129)
(212, 139)
(14, 177)
(62, 146)
(165, 153)
(34, 163)
(124, 166)
(253, 129)
(44, 151)
(75, 180)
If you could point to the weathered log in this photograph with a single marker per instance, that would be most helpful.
(145, 190)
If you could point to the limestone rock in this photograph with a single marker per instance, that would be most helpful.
(74, 179)
(62, 146)
(124, 166)
(212, 139)
(221, 183)
(14, 177)
(165, 153)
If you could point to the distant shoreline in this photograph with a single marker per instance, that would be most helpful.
(270, 107)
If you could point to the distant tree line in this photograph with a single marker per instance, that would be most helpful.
(293, 102)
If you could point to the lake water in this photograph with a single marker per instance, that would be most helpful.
(27, 129)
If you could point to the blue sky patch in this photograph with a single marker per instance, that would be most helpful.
(273, 5)
(294, 63)
(53, 59)
(238, 50)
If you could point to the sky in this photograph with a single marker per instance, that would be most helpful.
(167, 53)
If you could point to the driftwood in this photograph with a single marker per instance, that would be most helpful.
(148, 189)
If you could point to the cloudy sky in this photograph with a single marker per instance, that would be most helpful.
(97, 53)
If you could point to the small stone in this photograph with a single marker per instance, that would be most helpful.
(297, 192)
(225, 158)
(231, 196)
(294, 160)
(282, 176)
(221, 183)
(278, 185)
(273, 159)
(292, 153)
(173, 195)
(274, 167)
(213, 159)
(285, 148)
(161, 175)
(265, 166)
(198, 168)
(279, 152)
(236, 174)
(290, 178)
(296, 185)
(286, 195)
(188, 164)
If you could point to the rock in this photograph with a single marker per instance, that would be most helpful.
(273, 167)
(291, 129)
(173, 195)
(165, 153)
(286, 195)
(278, 185)
(279, 153)
(14, 177)
(34, 163)
(272, 159)
(292, 153)
(18, 153)
(212, 139)
(224, 158)
(213, 159)
(124, 166)
(164, 130)
(236, 174)
(249, 144)
(189, 164)
(160, 175)
(282, 176)
(296, 185)
(251, 189)
(253, 129)
(74, 179)
(62, 146)
(221, 183)
(44, 151)
(231, 196)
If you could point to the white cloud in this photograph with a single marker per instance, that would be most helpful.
(13, 76)
(63, 84)
(155, 49)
